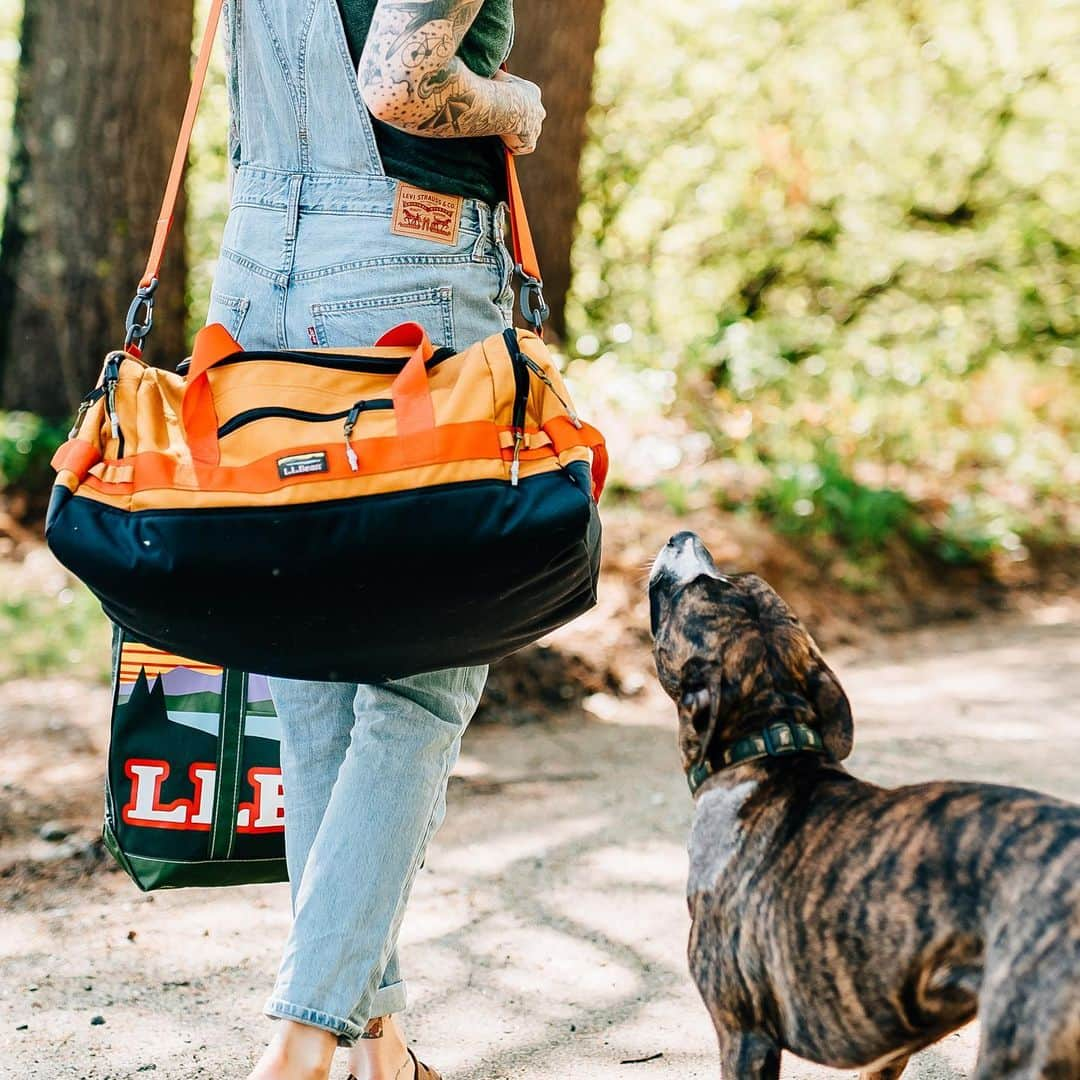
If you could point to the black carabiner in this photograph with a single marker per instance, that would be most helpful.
(137, 331)
(533, 306)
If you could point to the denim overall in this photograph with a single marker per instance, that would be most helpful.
(308, 258)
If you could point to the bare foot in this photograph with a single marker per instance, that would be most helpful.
(381, 1056)
(297, 1052)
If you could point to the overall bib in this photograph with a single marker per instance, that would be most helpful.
(308, 258)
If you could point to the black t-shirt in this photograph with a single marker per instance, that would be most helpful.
(474, 167)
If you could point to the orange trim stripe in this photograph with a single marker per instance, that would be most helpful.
(133, 649)
(452, 442)
(565, 435)
(136, 663)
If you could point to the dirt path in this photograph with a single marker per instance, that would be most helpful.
(546, 935)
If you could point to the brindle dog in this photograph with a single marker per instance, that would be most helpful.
(847, 923)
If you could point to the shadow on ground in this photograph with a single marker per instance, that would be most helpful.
(546, 934)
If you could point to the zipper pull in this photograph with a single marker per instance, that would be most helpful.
(515, 464)
(111, 379)
(84, 407)
(350, 423)
(539, 372)
(79, 417)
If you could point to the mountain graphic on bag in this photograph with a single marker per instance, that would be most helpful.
(193, 792)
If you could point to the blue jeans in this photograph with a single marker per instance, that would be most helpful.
(365, 770)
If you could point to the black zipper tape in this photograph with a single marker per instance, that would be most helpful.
(370, 365)
(521, 379)
(265, 412)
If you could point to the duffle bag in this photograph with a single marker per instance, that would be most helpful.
(353, 514)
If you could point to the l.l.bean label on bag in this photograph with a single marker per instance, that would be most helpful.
(299, 464)
(426, 214)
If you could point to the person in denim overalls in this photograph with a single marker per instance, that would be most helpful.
(308, 258)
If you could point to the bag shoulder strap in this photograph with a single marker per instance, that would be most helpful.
(140, 314)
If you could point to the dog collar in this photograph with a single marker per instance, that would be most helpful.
(777, 740)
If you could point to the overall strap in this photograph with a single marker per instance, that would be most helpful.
(140, 314)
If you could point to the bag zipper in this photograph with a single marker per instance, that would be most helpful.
(264, 412)
(350, 416)
(95, 395)
(523, 364)
(521, 400)
(369, 365)
(110, 381)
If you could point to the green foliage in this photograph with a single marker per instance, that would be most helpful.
(852, 232)
(49, 622)
(27, 444)
(822, 499)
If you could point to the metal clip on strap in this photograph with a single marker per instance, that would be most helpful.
(534, 308)
(136, 330)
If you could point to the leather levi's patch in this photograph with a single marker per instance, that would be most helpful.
(426, 214)
(299, 464)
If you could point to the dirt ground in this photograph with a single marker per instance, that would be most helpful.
(546, 934)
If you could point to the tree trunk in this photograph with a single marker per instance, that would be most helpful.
(555, 46)
(101, 89)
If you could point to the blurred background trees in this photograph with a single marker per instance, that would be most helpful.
(555, 46)
(840, 241)
(824, 265)
(100, 90)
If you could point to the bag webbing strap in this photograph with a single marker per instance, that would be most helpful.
(183, 142)
(230, 759)
(140, 315)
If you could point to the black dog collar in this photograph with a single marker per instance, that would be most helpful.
(777, 740)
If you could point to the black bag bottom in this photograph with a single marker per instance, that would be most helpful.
(361, 590)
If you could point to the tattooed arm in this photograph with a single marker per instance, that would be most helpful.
(411, 77)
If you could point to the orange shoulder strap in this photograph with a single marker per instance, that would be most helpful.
(524, 252)
(176, 172)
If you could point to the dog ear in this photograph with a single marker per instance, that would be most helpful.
(694, 709)
(832, 707)
(699, 711)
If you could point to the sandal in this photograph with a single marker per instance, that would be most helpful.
(374, 1030)
(423, 1072)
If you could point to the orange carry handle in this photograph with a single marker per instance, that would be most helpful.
(411, 395)
(521, 235)
(565, 435)
(197, 412)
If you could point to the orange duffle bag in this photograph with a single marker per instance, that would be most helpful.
(349, 514)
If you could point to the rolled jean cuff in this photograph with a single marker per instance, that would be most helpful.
(346, 1031)
(387, 1000)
